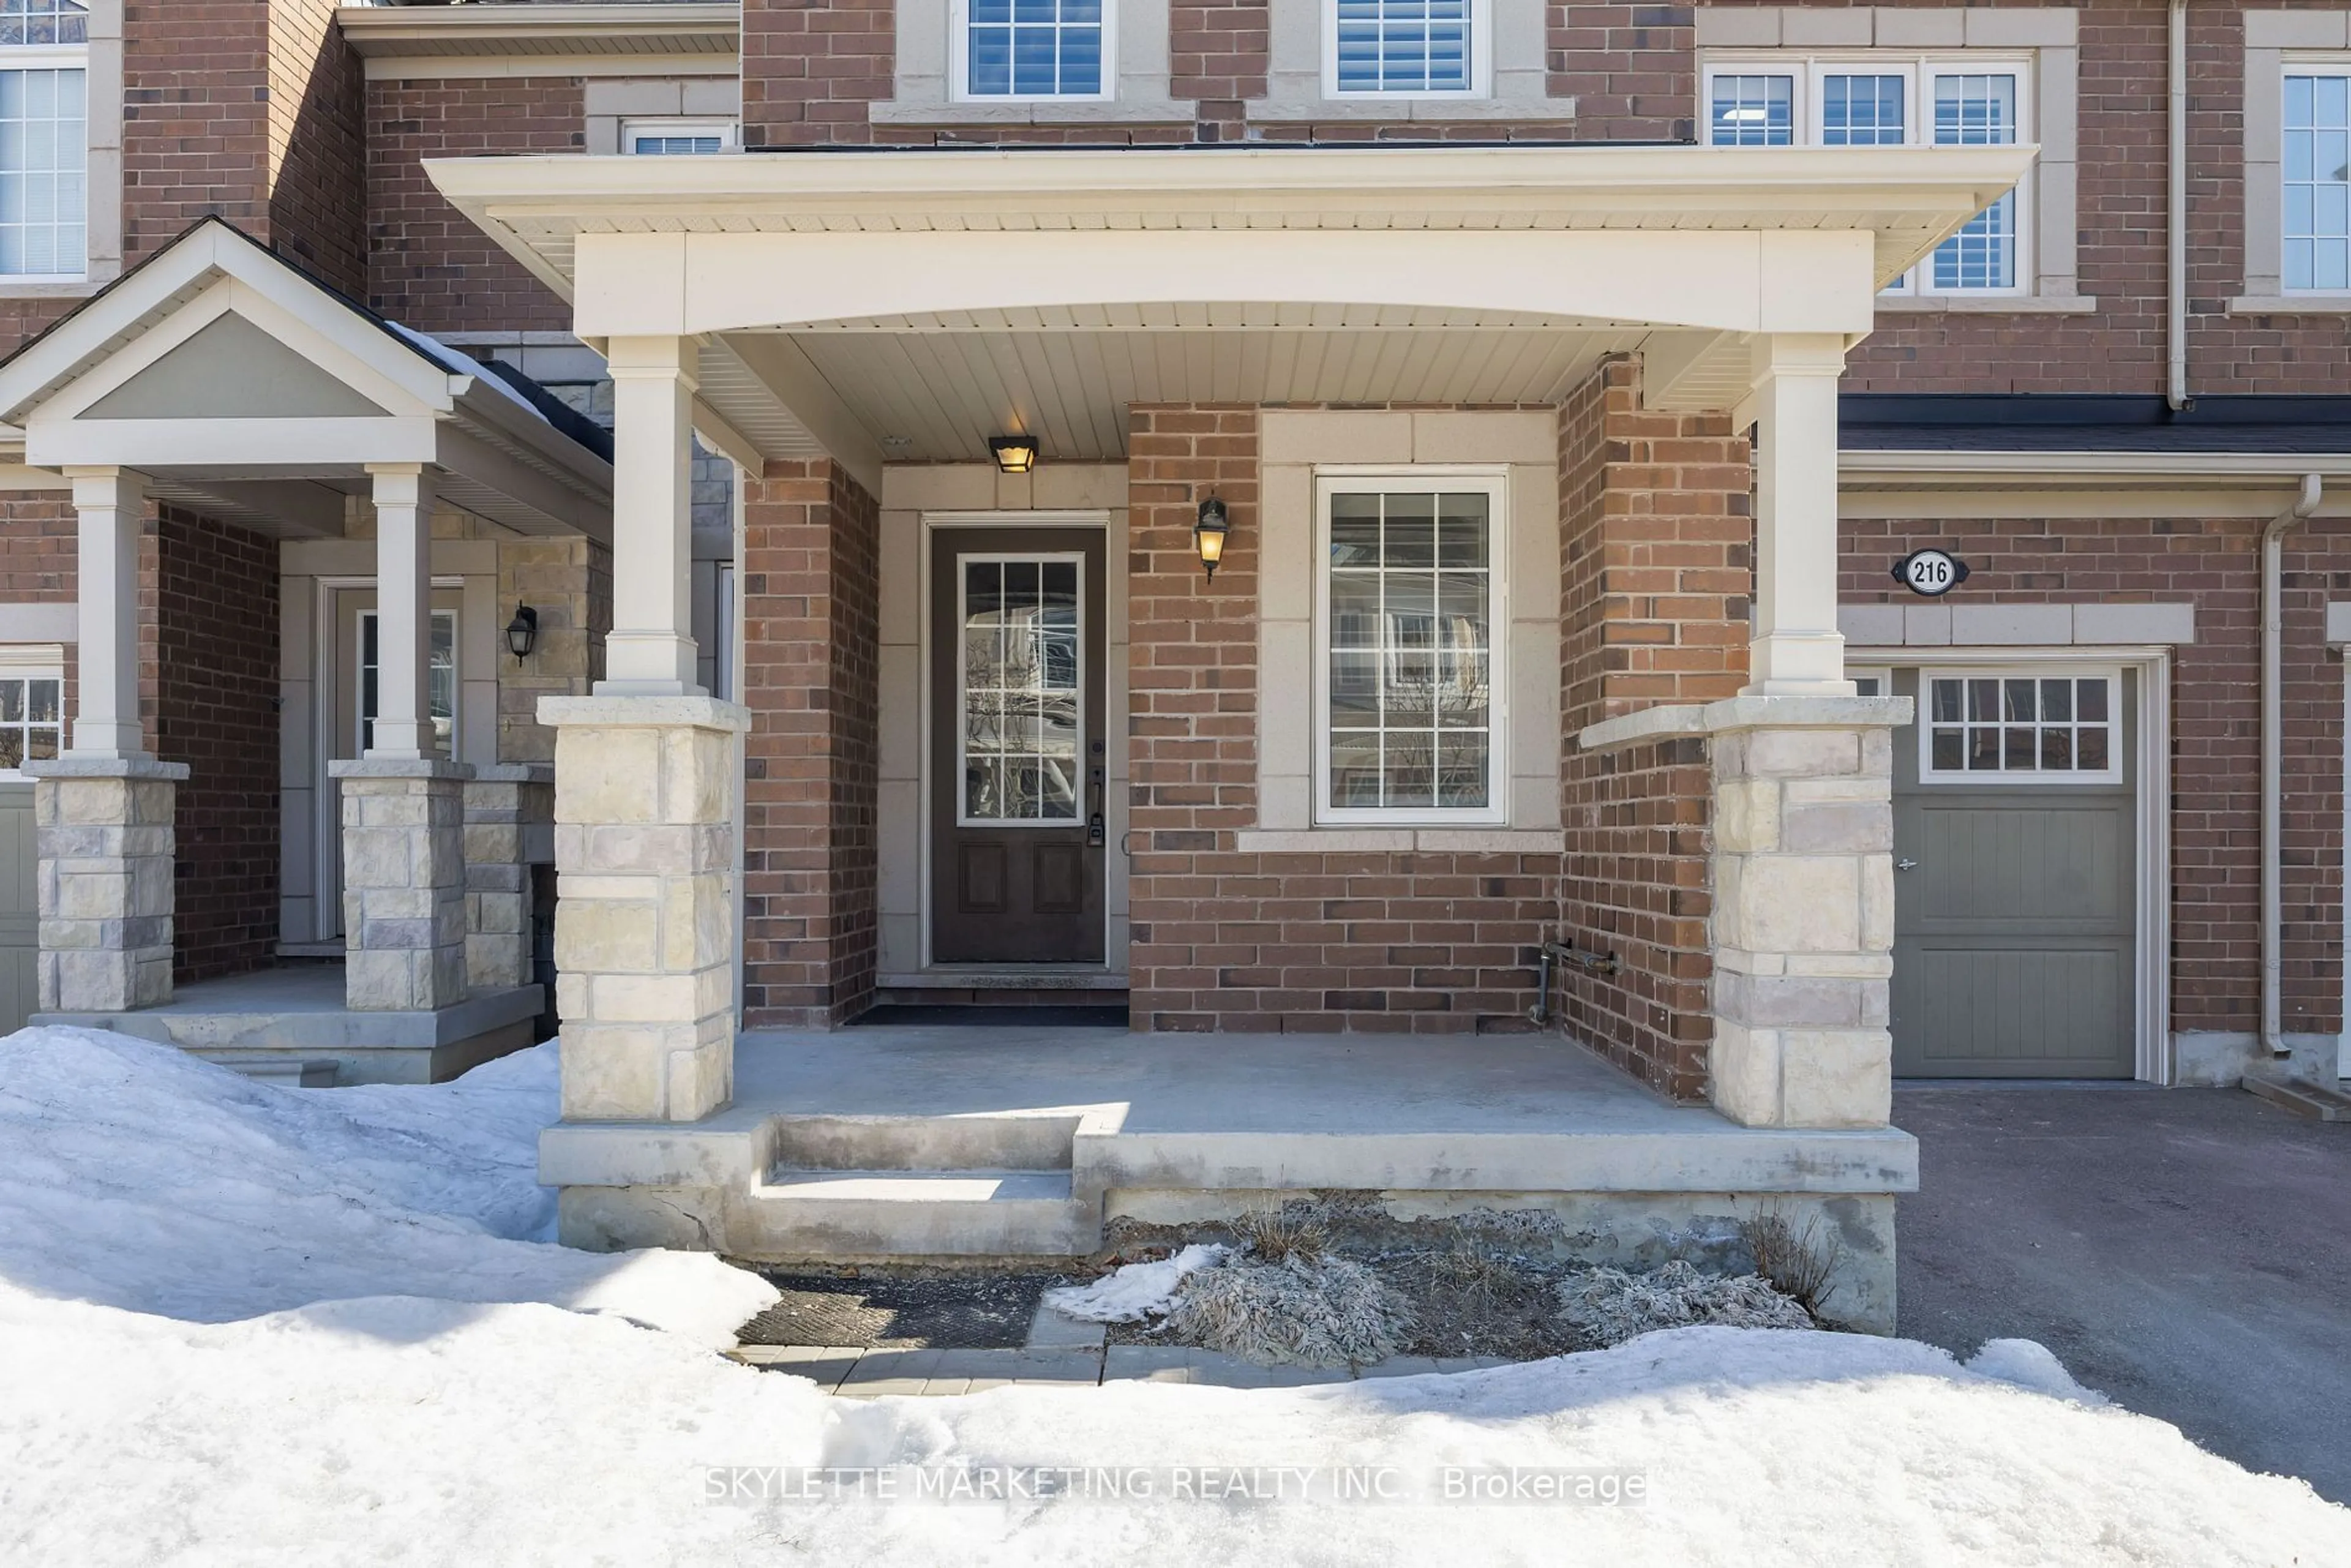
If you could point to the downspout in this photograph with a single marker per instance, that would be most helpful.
(2176, 220)
(2273, 762)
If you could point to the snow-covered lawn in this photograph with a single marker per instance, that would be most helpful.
(459, 1394)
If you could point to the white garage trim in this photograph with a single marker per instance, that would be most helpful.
(2152, 852)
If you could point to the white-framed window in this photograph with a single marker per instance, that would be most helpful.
(1883, 99)
(2317, 168)
(32, 706)
(1407, 48)
(1024, 51)
(440, 680)
(44, 140)
(2044, 725)
(1021, 693)
(1870, 680)
(677, 138)
(1409, 621)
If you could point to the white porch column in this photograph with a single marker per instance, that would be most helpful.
(650, 650)
(110, 504)
(1796, 649)
(103, 813)
(404, 572)
(404, 807)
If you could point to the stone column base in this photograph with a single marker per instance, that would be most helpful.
(103, 832)
(509, 828)
(403, 884)
(645, 918)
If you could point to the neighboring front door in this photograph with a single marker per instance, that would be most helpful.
(1017, 749)
(2015, 827)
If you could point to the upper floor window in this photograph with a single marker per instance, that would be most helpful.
(1890, 102)
(676, 138)
(2317, 170)
(1413, 47)
(1015, 50)
(44, 139)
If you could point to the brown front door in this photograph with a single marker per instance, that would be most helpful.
(1016, 746)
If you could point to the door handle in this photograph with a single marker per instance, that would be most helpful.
(1906, 866)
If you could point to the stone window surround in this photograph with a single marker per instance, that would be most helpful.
(102, 185)
(2274, 42)
(2049, 34)
(1293, 444)
(1872, 627)
(610, 102)
(1517, 79)
(924, 94)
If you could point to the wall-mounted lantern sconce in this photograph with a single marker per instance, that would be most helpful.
(1210, 532)
(522, 632)
(1014, 454)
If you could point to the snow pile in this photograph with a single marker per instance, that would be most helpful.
(138, 1177)
(1300, 1311)
(1137, 1291)
(1609, 1306)
(431, 1432)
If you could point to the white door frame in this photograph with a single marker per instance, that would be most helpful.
(2152, 849)
(1114, 723)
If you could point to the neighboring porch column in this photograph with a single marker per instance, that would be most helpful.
(646, 773)
(403, 806)
(509, 825)
(103, 811)
(1794, 647)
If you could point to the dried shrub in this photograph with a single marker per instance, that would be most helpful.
(1302, 1313)
(1801, 1263)
(1608, 1306)
(1278, 1235)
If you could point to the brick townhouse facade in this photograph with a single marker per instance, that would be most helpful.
(1558, 390)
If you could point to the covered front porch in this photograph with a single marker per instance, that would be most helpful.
(1616, 366)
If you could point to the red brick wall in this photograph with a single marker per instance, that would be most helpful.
(217, 689)
(317, 156)
(429, 266)
(2215, 738)
(195, 125)
(1224, 940)
(1656, 554)
(811, 601)
(1217, 54)
(810, 69)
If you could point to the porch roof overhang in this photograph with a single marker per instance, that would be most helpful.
(911, 302)
(241, 385)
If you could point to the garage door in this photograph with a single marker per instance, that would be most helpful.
(2014, 836)
(19, 920)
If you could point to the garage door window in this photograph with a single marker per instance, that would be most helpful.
(2022, 726)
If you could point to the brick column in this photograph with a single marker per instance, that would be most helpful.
(1804, 909)
(103, 827)
(509, 827)
(403, 882)
(644, 923)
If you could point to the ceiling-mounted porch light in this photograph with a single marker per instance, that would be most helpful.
(1014, 454)
(522, 632)
(1210, 532)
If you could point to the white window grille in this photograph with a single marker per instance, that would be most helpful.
(44, 139)
(2022, 726)
(676, 138)
(2317, 172)
(1430, 48)
(1023, 50)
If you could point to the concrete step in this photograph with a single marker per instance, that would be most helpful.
(814, 1143)
(907, 1215)
(2315, 1101)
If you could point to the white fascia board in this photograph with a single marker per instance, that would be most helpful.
(495, 409)
(294, 445)
(684, 285)
(1967, 468)
(380, 32)
(564, 502)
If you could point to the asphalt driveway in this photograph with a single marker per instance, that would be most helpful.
(2187, 1252)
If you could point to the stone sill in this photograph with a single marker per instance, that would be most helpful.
(1087, 111)
(397, 767)
(1988, 305)
(1410, 111)
(2291, 305)
(616, 712)
(1391, 841)
(1746, 713)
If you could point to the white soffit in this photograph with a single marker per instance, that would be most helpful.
(414, 32)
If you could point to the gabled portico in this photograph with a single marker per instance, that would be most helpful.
(218, 378)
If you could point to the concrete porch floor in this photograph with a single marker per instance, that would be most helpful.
(907, 1142)
(272, 1022)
